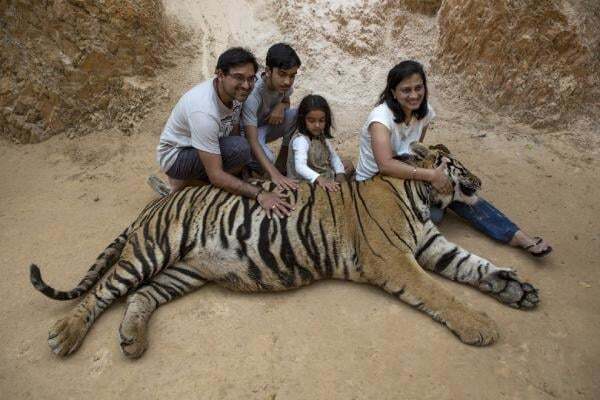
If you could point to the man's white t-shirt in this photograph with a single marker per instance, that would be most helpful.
(260, 103)
(198, 120)
(401, 136)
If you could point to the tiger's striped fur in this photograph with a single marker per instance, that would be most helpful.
(377, 231)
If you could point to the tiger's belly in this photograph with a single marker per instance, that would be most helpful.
(255, 266)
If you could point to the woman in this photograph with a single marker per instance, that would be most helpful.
(401, 117)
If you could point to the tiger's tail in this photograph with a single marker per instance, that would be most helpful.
(103, 263)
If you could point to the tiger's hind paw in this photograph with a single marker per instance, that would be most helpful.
(507, 288)
(66, 335)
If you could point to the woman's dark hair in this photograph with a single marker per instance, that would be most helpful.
(396, 75)
(234, 57)
(281, 55)
(310, 103)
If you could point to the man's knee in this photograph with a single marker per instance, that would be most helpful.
(289, 125)
(290, 114)
(236, 151)
(290, 119)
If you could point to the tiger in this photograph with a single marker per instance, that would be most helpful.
(376, 231)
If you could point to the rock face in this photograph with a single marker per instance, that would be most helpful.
(427, 7)
(75, 65)
(348, 46)
(357, 27)
(537, 61)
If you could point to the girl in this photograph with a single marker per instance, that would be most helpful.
(401, 117)
(312, 158)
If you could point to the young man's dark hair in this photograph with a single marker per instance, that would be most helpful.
(281, 55)
(234, 57)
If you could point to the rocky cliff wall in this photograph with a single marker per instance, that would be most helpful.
(536, 61)
(357, 27)
(75, 65)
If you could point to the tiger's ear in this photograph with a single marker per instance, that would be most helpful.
(421, 151)
(440, 147)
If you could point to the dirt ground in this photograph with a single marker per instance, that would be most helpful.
(63, 201)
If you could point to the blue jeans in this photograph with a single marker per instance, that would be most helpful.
(484, 217)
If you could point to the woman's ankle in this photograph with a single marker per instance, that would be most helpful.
(520, 239)
(534, 245)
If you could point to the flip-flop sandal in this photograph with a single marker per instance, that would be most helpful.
(158, 185)
(542, 253)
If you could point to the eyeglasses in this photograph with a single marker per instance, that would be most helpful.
(241, 78)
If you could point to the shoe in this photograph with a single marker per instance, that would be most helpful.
(158, 185)
(541, 253)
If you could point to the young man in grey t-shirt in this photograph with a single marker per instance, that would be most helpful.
(201, 140)
(266, 113)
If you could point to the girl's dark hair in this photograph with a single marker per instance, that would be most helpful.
(396, 75)
(310, 103)
(281, 55)
(235, 57)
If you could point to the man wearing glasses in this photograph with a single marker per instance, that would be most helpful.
(267, 115)
(201, 140)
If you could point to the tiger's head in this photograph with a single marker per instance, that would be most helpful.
(464, 183)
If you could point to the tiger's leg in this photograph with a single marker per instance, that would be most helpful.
(173, 282)
(403, 278)
(439, 255)
(140, 260)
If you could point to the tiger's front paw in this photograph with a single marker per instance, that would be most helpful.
(507, 288)
(132, 336)
(66, 335)
(474, 328)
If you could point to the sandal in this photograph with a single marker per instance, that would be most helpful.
(541, 253)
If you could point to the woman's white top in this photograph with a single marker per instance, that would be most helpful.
(401, 136)
(300, 144)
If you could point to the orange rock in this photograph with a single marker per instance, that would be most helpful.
(516, 56)
(68, 59)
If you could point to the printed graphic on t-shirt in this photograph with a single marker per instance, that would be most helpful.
(230, 121)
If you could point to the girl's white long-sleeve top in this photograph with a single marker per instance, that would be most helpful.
(300, 145)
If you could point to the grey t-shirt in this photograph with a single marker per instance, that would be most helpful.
(261, 101)
(198, 120)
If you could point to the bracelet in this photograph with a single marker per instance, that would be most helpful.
(260, 190)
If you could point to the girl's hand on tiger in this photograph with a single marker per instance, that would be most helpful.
(328, 184)
(440, 180)
(274, 203)
(283, 182)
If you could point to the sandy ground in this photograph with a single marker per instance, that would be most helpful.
(63, 201)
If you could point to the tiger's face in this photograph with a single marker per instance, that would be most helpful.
(464, 182)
